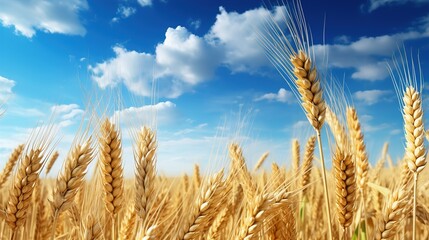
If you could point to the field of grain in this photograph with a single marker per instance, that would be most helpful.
(352, 200)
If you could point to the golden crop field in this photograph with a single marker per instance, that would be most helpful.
(353, 199)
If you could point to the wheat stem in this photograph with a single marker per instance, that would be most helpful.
(325, 184)
(415, 205)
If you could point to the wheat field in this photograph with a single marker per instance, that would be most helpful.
(339, 195)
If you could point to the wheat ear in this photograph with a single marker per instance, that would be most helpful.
(345, 187)
(296, 158)
(128, 224)
(197, 176)
(52, 161)
(71, 177)
(145, 160)
(219, 223)
(240, 168)
(415, 136)
(93, 230)
(70, 180)
(10, 164)
(307, 164)
(111, 167)
(264, 205)
(393, 214)
(360, 156)
(110, 163)
(261, 161)
(205, 209)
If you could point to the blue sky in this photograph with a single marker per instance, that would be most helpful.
(214, 82)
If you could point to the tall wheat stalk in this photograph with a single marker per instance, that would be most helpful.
(294, 60)
(404, 76)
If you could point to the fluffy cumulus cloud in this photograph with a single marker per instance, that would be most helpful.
(282, 95)
(375, 4)
(68, 114)
(132, 68)
(52, 16)
(159, 113)
(181, 61)
(186, 56)
(367, 56)
(370, 97)
(184, 59)
(237, 35)
(6, 86)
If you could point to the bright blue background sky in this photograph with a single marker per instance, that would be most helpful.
(213, 77)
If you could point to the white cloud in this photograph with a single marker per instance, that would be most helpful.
(181, 61)
(6, 86)
(67, 113)
(236, 33)
(371, 97)
(50, 16)
(132, 68)
(374, 4)
(159, 113)
(186, 56)
(368, 55)
(196, 24)
(145, 3)
(124, 12)
(282, 95)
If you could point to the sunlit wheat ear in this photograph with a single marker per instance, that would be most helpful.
(22, 188)
(358, 147)
(31, 161)
(145, 161)
(338, 130)
(259, 211)
(307, 164)
(10, 164)
(344, 172)
(93, 229)
(197, 176)
(308, 85)
(393, 214)
(215, 231)
(261, 161)
(240, 169)
(52, 161)
(111, 167)
(296, 158)
(404, 76)
(43, 218)
(204, 210)
(71, 178)
(128, 224)
(414, 130)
